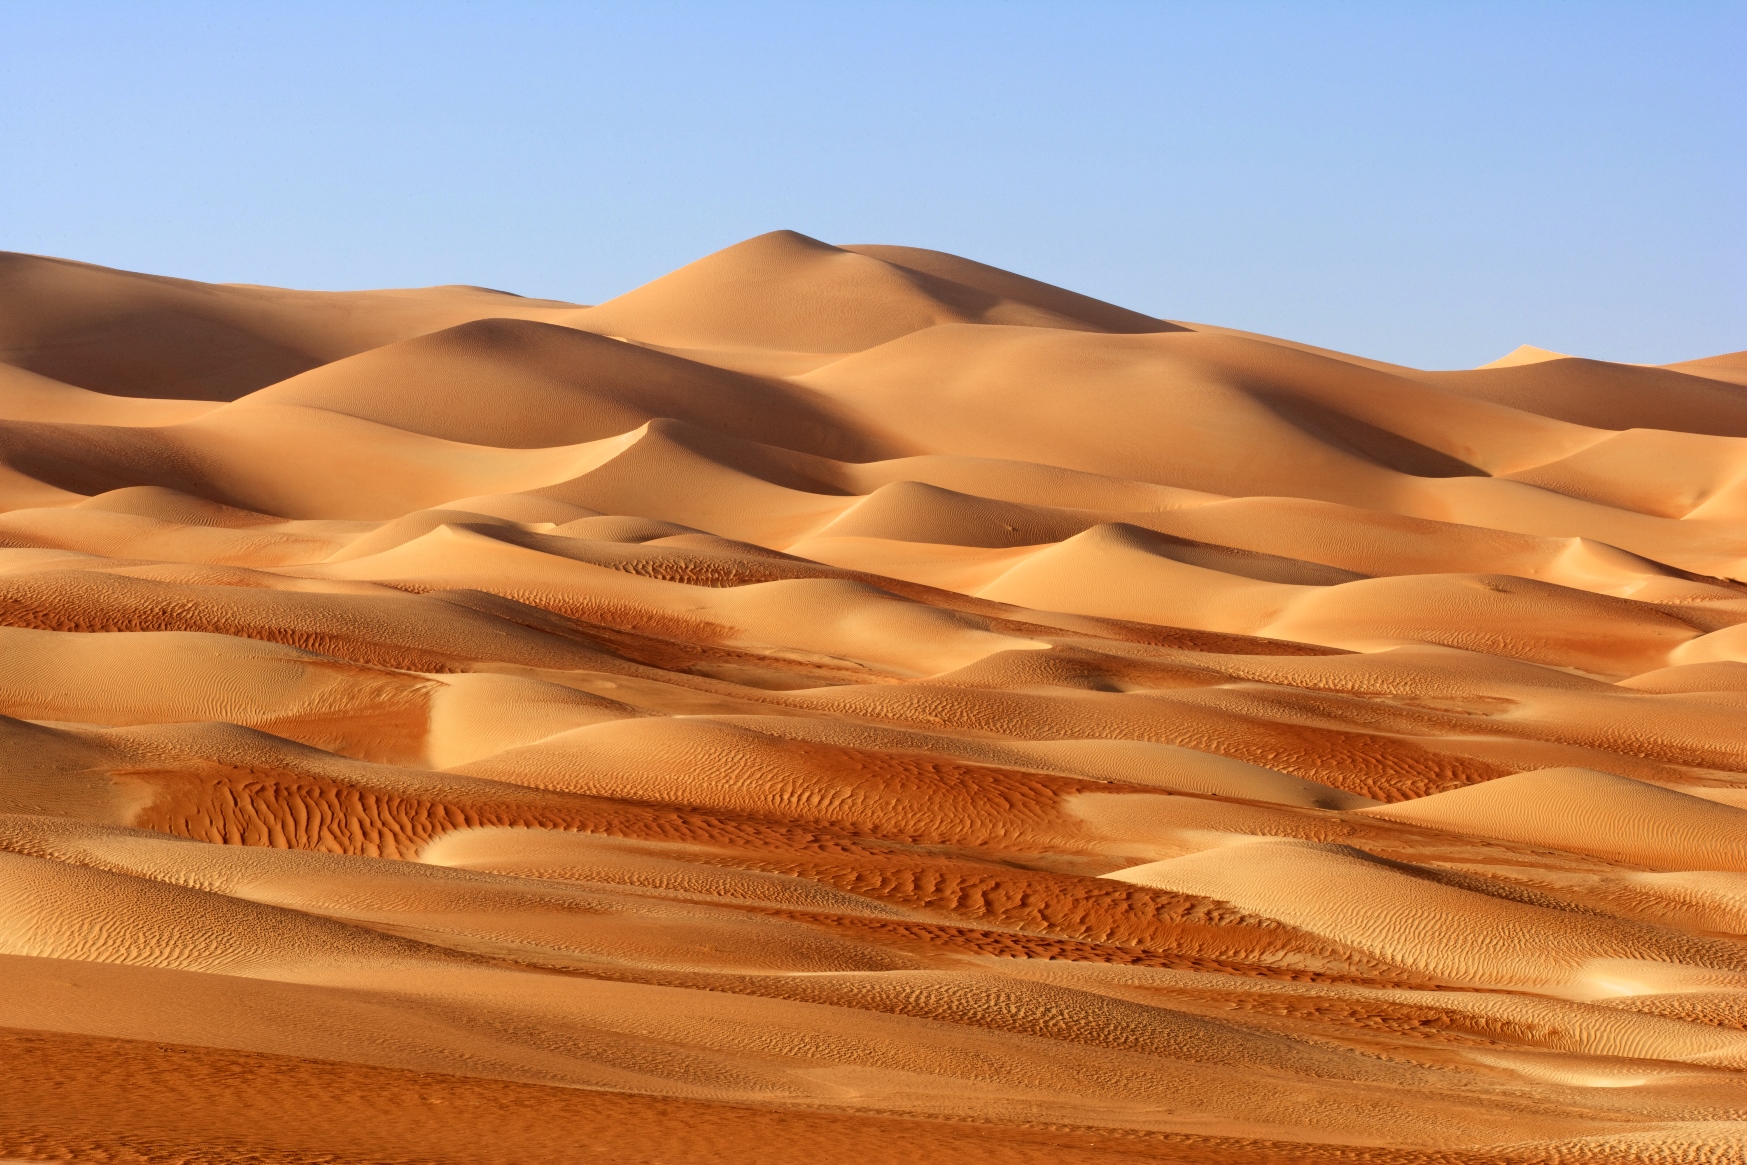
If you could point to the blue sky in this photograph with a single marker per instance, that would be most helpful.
(1432, 183)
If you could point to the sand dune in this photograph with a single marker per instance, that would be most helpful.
(1592, 812)
(1681, 398)
(132, 335)
(840, 701)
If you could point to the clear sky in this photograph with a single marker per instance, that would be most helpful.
(1431, 183)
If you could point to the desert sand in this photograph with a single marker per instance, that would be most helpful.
(855, 703)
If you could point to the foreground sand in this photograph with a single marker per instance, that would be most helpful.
(855, 703)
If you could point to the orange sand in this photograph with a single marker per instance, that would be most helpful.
(855, 703)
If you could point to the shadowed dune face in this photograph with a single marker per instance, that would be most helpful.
(854, 700)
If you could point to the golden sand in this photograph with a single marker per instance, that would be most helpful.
(855, 704)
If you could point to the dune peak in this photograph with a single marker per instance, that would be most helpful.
(1525, 354)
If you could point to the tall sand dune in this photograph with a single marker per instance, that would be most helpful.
(853, 702)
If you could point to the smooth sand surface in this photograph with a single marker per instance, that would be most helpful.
(855, 703)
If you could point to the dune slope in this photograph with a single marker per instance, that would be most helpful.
(858, 702)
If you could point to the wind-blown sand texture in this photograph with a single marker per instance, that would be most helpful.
(855, 704)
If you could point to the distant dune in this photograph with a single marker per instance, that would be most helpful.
(855, 704)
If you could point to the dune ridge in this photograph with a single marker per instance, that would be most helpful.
(855, 699)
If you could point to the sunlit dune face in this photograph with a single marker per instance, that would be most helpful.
(830, 699)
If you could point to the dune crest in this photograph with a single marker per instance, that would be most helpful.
(854, 701)
(1525, 354)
